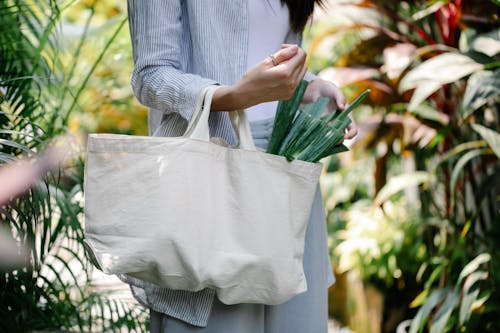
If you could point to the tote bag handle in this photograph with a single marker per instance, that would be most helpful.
(198, 127)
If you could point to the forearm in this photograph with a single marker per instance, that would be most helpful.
(166, 89)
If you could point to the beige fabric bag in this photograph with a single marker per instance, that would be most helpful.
(185, 213)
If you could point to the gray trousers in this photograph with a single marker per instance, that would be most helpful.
(305, 313)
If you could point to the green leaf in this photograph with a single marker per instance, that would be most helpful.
(420, 318)
(487, 186)
(480, 301)
(457, 150)
(473, 266)
(435, 72)
(420, 299)
(444, 68)
(421, 93)
(469, 295)
(400, 182)
(434, 276)
(336, 149)
(482, 88)
(488, 43)
(431, 9)
(443, 315)
(16, 145)
(491, 136)
(355, 103)
(427, 112)
(458, 168)
(466, 37)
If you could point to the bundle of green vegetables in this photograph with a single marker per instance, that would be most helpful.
(306, 134)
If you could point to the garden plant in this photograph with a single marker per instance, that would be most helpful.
(41, 85)
(433, 69)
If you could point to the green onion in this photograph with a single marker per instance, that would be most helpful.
(284, 117)
(305, 134)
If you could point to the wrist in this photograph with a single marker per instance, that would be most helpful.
(228, 98)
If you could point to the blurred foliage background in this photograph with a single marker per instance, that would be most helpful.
(107, 103)
(64, 68)
(413, 208)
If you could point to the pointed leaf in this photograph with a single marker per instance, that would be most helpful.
(400, 182)
(355, 103)
(434, 276)
(443, 315)
(421, 93)
(488, 43)
(482, 88)
(431, 9)
(426, 112)
(420, 318)
(480, 302)
(442, 69)
(420, 299)
(469, 295)
(458, 168)
(457, 150)
(473, 266)
(492, 137)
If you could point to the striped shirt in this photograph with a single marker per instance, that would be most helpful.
(179, 48)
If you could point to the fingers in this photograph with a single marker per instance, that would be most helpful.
(288, 73)
(337, 97)
(321, 88)
(275, 78)
(351, 131)
(284, 54)
(302, 73)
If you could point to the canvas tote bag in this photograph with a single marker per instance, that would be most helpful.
(185, 213)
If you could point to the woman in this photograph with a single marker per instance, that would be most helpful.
(182, 46)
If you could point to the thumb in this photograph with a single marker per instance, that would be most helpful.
(285, 54)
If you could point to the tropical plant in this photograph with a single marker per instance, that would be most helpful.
(39, 88)
(432, 67)
(107, 103)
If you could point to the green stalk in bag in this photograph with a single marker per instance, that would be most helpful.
(284, 117)
(299, 124)
(302, 140)
(305, 123)
(305, 134)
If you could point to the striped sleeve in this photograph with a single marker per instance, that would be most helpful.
(158, 80)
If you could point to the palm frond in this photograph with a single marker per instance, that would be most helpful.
(39, 88)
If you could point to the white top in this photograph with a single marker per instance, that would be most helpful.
(269, 23)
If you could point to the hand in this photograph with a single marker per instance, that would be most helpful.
(322, 88)
(267, 81)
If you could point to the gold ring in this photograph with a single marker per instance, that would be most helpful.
(273, 59)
